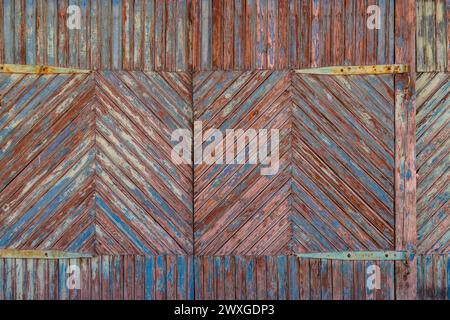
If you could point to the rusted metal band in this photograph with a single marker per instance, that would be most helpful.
(358, 255)
(41, 254)
(357, 70)
(35, 69)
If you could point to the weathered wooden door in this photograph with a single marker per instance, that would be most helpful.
(88, 181)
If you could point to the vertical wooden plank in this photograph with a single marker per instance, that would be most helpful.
(273, 35)
(304, 279)
(326, 280)
(117, 277)
(441, 277)
(282, 277)
(149, 278)
(53, 280)
(182, 277)
(337, 279)
(63, 275)
(160, 14)
(198, 274)
(314, 266)
(9, 278)
(420, 35)
(41, 282)
(359, 280)
(350, 42)
(62, 38)
(19, 278)
(8, 30)
(430, 35)
(95, 278)
(149, 31)
(170, 39)
(2, 280)
(160, 278)
(106, 278)
(219, 279)
(30, 279)
(448, 36)
(272, 285)
(19, 32)
(74, 294)
(347, 280)
(85, 277)
(206, 35)
(190, 278)
(127, 20)
(217, 35)
(250, 34)
(105, 34)
(315, 34)
(83, 36)
(261, 278)
(337, 30)
(171, 277)
(441, 38)
(31, 33)
(181, 36)
(208, 278)
(129, 276)
(230, 277)
(228, 34)
(138, 24)
(73, 41)
(116, 35)
(405, 132)
(139, 282)
(250, 281)
(2, 34)
(294, 293)
(283, 33)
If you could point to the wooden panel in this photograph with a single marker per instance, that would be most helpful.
(101, 278)
(114, 34)
(343, 163)
(433, 282)
(78, 155)
(289, 278)
(236, 208)
(433, 162)
(433, 36)
(270, 34)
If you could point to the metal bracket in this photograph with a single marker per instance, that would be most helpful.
(34, 69)
(357, 70)
(41, 254)
(358, 255)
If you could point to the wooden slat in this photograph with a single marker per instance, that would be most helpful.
(433, 50)
(405, 173)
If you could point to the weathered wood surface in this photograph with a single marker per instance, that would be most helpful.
(101, 278)
(236, 209)
(335, 186)
(114, 34)
(433, 162)
(433, 272)
(86, 163)
(433, 35)
(195, 34)
(405, 148)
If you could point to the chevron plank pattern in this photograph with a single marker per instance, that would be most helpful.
(343, 163)
(433, 162)
(86, 163)
(237, 210)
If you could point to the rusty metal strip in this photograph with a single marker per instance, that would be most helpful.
(35, 69)
(41, 254)
(357, 70)
(358, 255)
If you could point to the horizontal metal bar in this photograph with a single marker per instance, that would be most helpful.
(34, 69)
(358, 255)
(41, 254)
(357, 70)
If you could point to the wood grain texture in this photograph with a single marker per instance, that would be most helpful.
(433, 281)
(335, 186)
(288, 278)
(237, 210)
(101, 278)
(86, 163)
(270, 34)
(405, 149)
(433, 162)
(343, 163)
(433, 38)
(114, 34)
